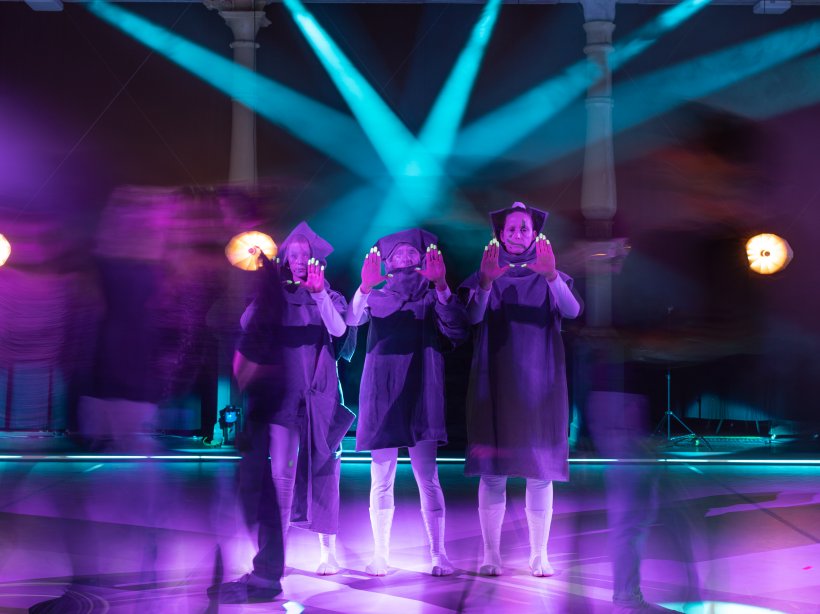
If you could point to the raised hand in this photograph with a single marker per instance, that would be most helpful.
(544, 258)
(489, 270)
(372, 271)
(315, 281)
(434, 269)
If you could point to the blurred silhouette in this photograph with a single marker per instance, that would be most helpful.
(685, 304)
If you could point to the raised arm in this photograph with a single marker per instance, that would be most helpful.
(568, 306)
(371, 277)
(357, 312)
(451, 318)
(487, 274)
(566, 302)
(315, 284)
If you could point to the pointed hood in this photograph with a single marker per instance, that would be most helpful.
(418, 238)
(404, 285)
(319, 248)
(539, 218)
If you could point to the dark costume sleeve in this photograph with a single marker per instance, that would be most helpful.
(451, 320)
(468, 288)
(258, 341)
(344, 346)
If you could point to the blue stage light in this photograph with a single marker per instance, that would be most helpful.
(320, 126)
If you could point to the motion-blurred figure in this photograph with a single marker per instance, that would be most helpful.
(686, 316)
(286, 364)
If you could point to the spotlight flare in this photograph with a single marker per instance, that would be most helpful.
(768, 253)
(5, 250)
(243, 250)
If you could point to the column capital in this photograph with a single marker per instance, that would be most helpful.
(599, 10)
(244, 17)
(236, 5)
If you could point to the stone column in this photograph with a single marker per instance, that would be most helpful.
(244, 18)
(598, 195)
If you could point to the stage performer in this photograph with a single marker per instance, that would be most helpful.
(517, 409)
(401, 402)
(286, 364)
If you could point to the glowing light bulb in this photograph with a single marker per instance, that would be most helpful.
(5, 250)
(243, 250)
(768, 253)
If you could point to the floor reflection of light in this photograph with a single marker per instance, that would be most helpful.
(293, 607)
(718, 607)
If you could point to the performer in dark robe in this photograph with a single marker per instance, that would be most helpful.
(286, 364)
(517, 409)
(401, 403)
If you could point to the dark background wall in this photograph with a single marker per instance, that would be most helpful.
(84, 109)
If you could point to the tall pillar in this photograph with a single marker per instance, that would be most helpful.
(244, 18)
(598, 195)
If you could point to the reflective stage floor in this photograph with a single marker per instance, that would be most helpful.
(152, 535)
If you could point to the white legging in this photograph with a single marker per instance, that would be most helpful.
(492, 493)
(423, 462)
(284, 453)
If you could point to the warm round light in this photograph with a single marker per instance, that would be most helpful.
(768, 253)
(243, 250)
(5, 250)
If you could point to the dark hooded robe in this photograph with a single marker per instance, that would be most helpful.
(517, 408)
(300, 388)
(401, 400)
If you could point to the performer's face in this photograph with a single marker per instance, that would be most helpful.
(403, 256)
(517, 234)
(298, 256)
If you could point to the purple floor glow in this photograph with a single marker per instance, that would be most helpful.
(144, 537)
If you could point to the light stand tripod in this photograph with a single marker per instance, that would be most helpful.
(669, 415)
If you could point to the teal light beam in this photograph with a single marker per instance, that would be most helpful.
(649, 34)
(499, 131)
(786, 89)
(441, 126)
(394, 143)
(327, 130)
(436, 137)
(650, 96)
(711, 73)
